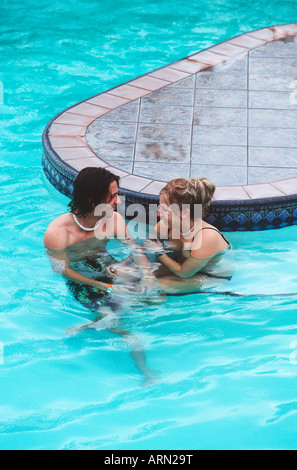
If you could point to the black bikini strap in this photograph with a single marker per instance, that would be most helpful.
(216, 230)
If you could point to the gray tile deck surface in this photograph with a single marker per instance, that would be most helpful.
(234, 123)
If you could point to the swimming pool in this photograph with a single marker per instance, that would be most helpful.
(226, 366)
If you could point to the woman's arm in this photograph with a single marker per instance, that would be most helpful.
(187, 269)
(199, 258)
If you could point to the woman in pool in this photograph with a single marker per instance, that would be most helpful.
(192, 255)
(198, 246)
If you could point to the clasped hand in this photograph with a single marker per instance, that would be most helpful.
(153, 245)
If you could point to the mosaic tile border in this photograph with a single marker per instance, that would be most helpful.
(236, 208)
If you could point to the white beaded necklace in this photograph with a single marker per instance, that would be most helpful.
(87, 229)
(185, 234)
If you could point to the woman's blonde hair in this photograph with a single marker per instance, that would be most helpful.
(190, 192)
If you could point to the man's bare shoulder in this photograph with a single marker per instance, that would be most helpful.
(117, 217)
(120, 225)
(56, 236)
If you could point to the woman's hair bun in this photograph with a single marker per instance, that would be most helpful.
(202, 189)
(190, 191)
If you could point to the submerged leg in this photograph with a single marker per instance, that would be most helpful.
(137, 353)
(175, 285)
(102, 322)
(108, 320)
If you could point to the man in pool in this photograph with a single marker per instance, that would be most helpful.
(76, 241)
(76, 246)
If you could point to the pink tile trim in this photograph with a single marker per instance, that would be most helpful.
(264, 34)
(80, 164)
(68, 142)
(75, 153)
(274, 32)
(74, 119)
(190, 66)
(228, 49)
(129, 92)
(169, 74)
(284, 31)
(89, 110)
(108, 101)
(117, 171)
(288, 187)
(260, 191)
(138, 183)
(208, 57)
(247, 41)
(230, 193)
(154, 188)
(67, 130)
(290, 28)
(149, 83)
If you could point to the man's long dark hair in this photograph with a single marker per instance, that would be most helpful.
(91, 187)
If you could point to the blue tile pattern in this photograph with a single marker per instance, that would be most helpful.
(254, 215)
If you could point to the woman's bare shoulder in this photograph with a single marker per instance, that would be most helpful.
(208, 242)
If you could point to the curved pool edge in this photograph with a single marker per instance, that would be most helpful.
(238, 213)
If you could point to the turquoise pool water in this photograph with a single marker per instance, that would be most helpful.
(226, 367)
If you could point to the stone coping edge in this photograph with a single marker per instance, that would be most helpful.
(66, 171)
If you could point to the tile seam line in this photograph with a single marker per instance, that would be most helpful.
(151, 91)
(276, 182)
(192, 126)
(168, 123)
(248, 48)
(70, 123)
(81, 114)
(68, 110)
(248, 116)
(247, 126)
(228, 41)
(259, 56)
(218, 54)
(151, 180)
(136, 136)
(276, 168)
(131, 84)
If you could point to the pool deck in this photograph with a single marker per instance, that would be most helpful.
(228, 113)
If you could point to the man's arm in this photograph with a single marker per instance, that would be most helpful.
(60, 264)
(137, 253)
(55, 242)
